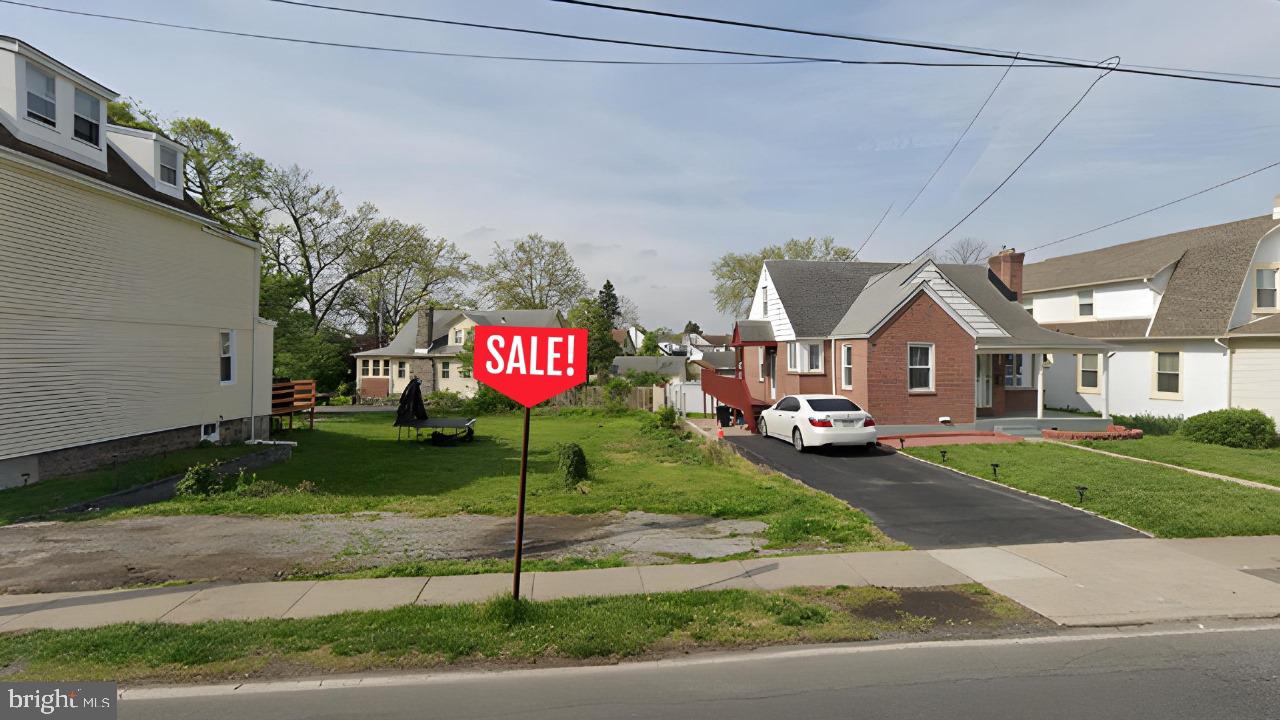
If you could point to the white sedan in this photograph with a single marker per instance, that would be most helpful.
(813, 420)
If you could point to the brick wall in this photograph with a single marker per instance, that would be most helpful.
(954, 366)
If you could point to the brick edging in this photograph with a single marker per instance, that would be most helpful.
(1193, 471)
(1028, 492)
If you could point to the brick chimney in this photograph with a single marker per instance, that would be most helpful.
(1007, 265)
(425, 368)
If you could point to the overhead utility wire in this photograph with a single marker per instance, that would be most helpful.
(872, 234)
(1024, 161)
(631, 43)
(956, 144)
(981, 52)
(1158, 207)
(402, 51)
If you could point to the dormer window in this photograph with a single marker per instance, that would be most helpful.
(88, 111)
(169, 166)
(42, 101)
(1265, 290)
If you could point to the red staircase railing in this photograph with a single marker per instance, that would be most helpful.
(733, 391)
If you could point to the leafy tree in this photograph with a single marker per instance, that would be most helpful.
(692, 327)
(736, 274)
(610, 303)
(428, 270)
(529, 274)
(591, 314)
(300, 351)
(129, 113)
(322, 242)
(967, 251)
(651, 340)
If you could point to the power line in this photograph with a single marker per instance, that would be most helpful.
(629, 43)
(1158, 207)
(981, 52)
(872, 234)
(402, 51)
(1024, 161)
(956, 144)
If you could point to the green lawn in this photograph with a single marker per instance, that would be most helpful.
(1162, 501)
(60, 492)
(497, 632)
(1258, 465)
(354, 463)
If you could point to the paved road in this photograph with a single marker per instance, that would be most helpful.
(928, 507)
(1203, 676)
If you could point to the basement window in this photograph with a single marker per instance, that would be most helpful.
(42, 100)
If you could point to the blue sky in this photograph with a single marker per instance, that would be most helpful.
(650, 173)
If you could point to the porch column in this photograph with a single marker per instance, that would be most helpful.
(1102, 388)
(1038, 359)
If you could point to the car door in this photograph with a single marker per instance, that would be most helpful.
(787, 409)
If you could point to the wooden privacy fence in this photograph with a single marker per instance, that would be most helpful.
(290, 397)
(640, 398)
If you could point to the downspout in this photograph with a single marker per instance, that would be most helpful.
(832, 369)
(253, 345)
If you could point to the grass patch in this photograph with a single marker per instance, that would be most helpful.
(1258, 465)
(355, 464)
(1161, 501)
(438, 568)
(499, 631)
(55, 493)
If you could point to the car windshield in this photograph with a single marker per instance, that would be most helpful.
(832, 404)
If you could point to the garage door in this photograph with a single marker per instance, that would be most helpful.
(1255, 380)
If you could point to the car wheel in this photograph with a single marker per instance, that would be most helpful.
(797, 440)
(764, 429)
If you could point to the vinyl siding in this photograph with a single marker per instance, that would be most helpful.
(962, 305)
(777, 314)
(110, 316)
(1255, 376)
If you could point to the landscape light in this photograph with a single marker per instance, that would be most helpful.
(1082, 489)
(944, 455)
(995, 470)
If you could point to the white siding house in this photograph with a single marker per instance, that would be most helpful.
(128, 323)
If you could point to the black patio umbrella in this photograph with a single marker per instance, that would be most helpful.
(411, 409)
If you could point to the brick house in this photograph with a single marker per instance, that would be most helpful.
(915, 344)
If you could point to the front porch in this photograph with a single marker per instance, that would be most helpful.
(1021, 423)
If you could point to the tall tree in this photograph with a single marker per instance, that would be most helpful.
(429, 269)
(322, 242)
(692, 327)
(649, 346)
(610, 302)
(967, 251)
(531, 273)
(591, 314)
(736, 274)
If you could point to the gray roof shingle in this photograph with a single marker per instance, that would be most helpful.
(817, 293)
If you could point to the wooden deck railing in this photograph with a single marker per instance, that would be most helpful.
(294, 396)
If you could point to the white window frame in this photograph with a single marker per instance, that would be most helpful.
(459, 337)
(96, 120)
(760, 365)
(32, 115)
(401, 366)
(364, 367)
(1081, 302)
(1156, 392)
(227, 349)
(764, 302)
(177, 161)
(1274, 269)
(800, 355)
(932, 367)
(1024, 380)
(444, 369)
(1081, 388)
(846, 366)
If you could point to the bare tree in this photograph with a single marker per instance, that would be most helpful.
(531, 273)
(322, 242)
(967, 251)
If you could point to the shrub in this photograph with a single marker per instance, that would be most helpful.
(488, 401)
(666, 416)
(1233, 427)
(572, 464)
(201, 479)
(645, 378)
(1150, 424)
(339, 400)
(444, 401)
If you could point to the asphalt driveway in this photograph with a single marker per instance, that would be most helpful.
(928, 507)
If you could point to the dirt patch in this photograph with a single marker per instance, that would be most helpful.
(100, 554)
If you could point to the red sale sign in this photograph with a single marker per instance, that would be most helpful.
(529, 364)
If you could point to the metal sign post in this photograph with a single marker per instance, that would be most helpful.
(524, 468)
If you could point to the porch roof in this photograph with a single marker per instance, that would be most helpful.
(753, 332)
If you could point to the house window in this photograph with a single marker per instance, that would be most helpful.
(226, 356)
(42, 102)
(846, 367)
(920, 367)
(88, 110)
(1084, 302)
(457, 337)
(364, 367)
(1265, 297)
(169, 166)
(804, 357)
(444, 369)
(1017, 371)
(762, 354)
(400, 369)
(386, 368)
(764, 305)
(1168, 375)
(1087, 381)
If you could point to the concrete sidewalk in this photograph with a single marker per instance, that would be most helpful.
(1110, 582)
